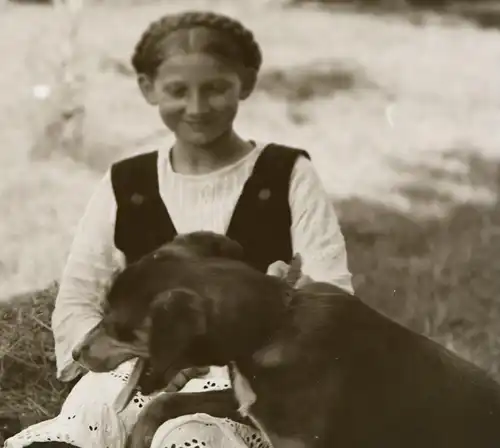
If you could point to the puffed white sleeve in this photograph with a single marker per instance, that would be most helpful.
(316, 232)
(93, 260)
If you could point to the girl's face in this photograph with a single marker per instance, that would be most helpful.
(197, 96)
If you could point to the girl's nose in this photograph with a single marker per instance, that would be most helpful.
(197, 104)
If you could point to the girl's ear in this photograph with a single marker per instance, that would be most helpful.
(245, 93)
(146, 84)
(248, 81)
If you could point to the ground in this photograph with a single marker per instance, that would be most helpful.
(401, 118)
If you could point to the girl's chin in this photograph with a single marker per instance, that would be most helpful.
(201, 138)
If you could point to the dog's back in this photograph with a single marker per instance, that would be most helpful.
(341, 374)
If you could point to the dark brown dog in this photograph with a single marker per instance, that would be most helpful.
(327, 370)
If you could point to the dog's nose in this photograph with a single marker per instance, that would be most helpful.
(76, 353)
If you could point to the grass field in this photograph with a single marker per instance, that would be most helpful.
(401, 120)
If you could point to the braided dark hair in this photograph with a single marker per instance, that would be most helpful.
(237, 43)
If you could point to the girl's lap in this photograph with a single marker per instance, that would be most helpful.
(87, 418)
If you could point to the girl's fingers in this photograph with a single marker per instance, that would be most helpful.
(294, 270)
(291, 273)
(304, 280)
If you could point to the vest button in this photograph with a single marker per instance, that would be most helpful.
(264, 194)
(137, 199)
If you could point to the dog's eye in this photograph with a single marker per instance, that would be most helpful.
(125, 334)
(119, 332)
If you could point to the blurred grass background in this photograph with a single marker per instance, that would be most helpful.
(399, 109)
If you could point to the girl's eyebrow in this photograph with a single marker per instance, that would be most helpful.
(180, 81)
(173, 81)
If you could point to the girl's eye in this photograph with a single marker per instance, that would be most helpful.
(175, 91)
(181, 91)
(218, 87)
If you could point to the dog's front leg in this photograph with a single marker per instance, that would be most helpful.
(148, 422)
(218, 403)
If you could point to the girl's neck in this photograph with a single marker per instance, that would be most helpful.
(187, 158)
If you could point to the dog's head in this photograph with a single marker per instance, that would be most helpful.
(204, 244)
(136, 322)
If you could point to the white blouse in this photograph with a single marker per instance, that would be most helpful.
(194, 202)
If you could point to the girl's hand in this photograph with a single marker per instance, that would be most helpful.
(292, 273)
(278, 269)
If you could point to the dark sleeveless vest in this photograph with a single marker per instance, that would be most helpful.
(261, 220)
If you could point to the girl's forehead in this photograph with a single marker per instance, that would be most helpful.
(198, 41)
(194, 65)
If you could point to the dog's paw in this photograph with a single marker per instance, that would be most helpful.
(144, 429)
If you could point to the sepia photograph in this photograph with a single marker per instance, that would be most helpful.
(250, 224)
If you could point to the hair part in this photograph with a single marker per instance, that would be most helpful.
(221, 36)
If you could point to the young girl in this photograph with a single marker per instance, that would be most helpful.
(194, 68)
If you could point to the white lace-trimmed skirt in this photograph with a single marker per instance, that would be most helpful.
(87, 418)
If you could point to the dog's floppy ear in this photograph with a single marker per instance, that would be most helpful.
(177, 317)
